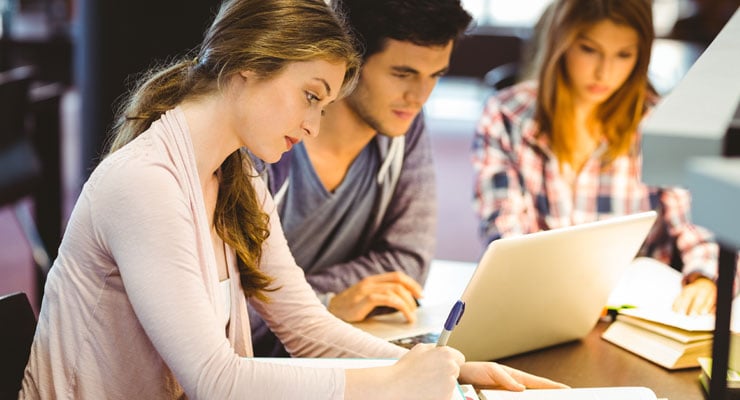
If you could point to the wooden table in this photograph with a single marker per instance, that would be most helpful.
(595, 362)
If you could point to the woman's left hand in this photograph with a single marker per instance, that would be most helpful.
(489, 375)
(697, 297)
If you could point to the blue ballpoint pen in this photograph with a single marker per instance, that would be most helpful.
(452, 320)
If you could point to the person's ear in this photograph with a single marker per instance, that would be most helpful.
(247, 74)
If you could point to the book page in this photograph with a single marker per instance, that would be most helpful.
(601, 393)
(647, 283)
(691, 323)
(677, 334)
(649, 288)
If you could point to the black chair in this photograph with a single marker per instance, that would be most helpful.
(20, 166)
(502, 76)
(476, 54)
(16, 335)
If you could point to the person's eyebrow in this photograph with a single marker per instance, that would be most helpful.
(409, 70)
(585, 37)
(326, 85)
(597, 44)
(404, 69)
(442, 71)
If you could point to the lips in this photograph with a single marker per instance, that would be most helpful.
(597, 89)
(405, 114)
(290, 142)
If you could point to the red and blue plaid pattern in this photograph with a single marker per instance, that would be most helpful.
(520, 188)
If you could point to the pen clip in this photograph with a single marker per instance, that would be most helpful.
(452, 320)
(462, 310)
(455, 315)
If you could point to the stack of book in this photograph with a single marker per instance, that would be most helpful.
(733, 378)
(671, 340)
(646, 325)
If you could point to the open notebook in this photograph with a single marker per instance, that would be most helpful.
(601, 393)
(536, 290)
(651, 329)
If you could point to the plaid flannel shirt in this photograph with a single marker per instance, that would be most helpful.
(520, 189)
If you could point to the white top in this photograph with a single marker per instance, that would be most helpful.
(225, 299)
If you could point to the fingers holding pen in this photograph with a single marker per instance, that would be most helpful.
(431, 371)
(435, 369)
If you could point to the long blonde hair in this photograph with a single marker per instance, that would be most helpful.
(620, 115)
(262, 36)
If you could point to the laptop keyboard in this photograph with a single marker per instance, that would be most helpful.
(411, 341)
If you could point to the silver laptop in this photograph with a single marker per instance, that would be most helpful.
(537, 290)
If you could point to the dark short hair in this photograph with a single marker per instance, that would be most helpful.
(422, 22)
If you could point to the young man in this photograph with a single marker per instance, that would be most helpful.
(357, 202)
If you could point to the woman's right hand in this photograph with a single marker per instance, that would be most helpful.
(426, 372)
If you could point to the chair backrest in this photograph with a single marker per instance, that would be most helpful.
(14, 94)
(20, 167)
(18, 323)
(502, 76)
(477, 54)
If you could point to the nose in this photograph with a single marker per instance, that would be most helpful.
(603, 68)
(312, 123)
(418, 91)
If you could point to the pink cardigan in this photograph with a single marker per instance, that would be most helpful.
(130, 307)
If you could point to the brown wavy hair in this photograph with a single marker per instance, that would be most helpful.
(262, 36)
(622, 112)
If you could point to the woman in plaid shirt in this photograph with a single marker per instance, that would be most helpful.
(566, 150)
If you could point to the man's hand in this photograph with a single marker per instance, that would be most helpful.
(393, 289)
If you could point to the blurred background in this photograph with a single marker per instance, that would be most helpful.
(64, 64)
